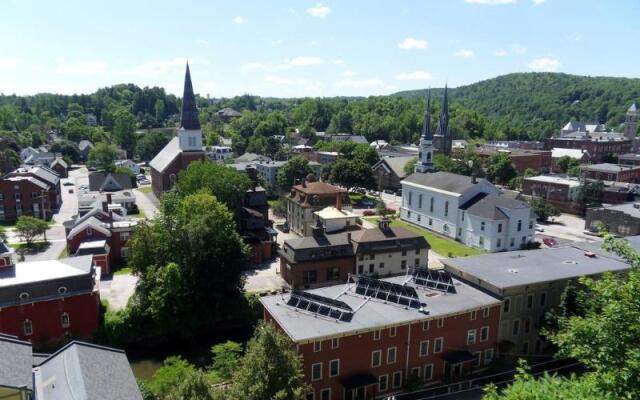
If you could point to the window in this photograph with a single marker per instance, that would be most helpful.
(361, 257)
(425, 325)
(309, 277)
(317, 346)
(463, 216)
(526, 325)
(471, 336)
(403, 264)
(428, 372)
(1, 196)
(472, 315)
(477, 358)
(392, 331)
(325, 394)
(335, 343)
(499, 228)
(459, 231)
(484, 333)
(420, 201)
(64, 320)
(383, 383)
(372, 256)
(431, 206)
(124, 236)
(543, 299)
(376, 358)
(499, 243)
(482, 226)
(397, 379)
(513, 242)
(481, 241)
(440, 322)
(507, 305)
(371, 268)
(27, 326)
(333, 274)
(334, 368)
(391, 355)
(446, 208)
(530, 301)
(516, 327)
(34, 195)
(524, 240)
(488, 356)
(381, 265)
(410, 196)
(89, 231)
(311, 396)
(360, 269)
(445, 228)
(377, 334)
(17, 196)
(404, 253)
(416, 262)
(172, 179)
(525, 348)
(519, 225)
(485, 312)
(424, 348)
(316, 371)
(430, 221)
(437, 345)
(417, 251)
(415, 372)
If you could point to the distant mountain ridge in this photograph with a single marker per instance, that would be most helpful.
(543, 101)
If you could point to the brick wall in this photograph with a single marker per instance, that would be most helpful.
(294, 273)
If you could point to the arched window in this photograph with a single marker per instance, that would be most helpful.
(27, 327)
(24, 296)
(64, 320)
(62, 290)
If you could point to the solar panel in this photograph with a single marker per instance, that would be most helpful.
(436, 280)
(320, 305)
(387, 291)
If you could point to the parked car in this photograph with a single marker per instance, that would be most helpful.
(539, 228)
(550, 242)
(144, 182)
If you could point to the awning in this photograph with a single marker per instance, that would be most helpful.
(458, 356)
(359, 380)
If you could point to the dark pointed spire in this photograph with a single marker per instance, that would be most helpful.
(426, 125)
(443, 124)
(189, 117)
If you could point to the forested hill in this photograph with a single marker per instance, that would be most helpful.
(538, 103)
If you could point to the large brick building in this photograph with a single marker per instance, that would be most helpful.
(599, 149)
(309, 197)
(621, 219)
(522, 159)
(183, 149)
(612, 172)
(33, 191)
(369, 337)
(48, 302)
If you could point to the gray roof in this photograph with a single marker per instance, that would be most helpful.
(396, 164)
(627, 208)
(527, 267)
(44, 174)
(251, 157)
(446, 181)
(629, 156)
(83, 144)
(490, 206)
(372, 314)
(387, 240)
(83, 371)
(109, 182)
(607, 167)
(15, 362)
(168, 153)
(317, 247)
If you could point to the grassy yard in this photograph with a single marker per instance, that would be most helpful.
(64, 253)
(145, 189)
(123, 271)
(36, 247)
(444, 246)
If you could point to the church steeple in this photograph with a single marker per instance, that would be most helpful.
(189, 116)
(631, 122)
(425, 154)
(443, 124)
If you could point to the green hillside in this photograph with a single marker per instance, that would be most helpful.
(536, 104)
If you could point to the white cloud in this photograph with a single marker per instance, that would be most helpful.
(338, 61)
(464, 53)
(501, 53)
(8, 63)
(275, 80)
(239, 20)
(412, 43)
(360, 83)
(87, 67)
(518, 49)
(414, 76)
(348, 72)
(319, 11)
(538, 2)
(544, 64)
(490, 2)
(163, 67)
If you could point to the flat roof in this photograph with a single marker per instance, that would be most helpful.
(554, 179)
(333, 213)
(608, 167)
(527, 267)
(38, 271)
(371, 314)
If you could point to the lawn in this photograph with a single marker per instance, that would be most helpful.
(444, 246)
(123, 271)
(145, 189)
(64, 253)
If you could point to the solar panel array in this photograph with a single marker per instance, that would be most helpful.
(320, 305)
(387, 291)
(436, 280)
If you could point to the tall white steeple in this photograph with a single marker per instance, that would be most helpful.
(631, 122)
(425, 155)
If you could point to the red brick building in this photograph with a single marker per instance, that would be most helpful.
(102, 233)
(183, 149)
(612, 172)
(48, 302)
(368, 338)
(522, 159)
(29, 191)
(60, 167)
(598, 148)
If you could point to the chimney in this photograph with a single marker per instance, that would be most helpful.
(383, 224)
(339, 201)
(108, 198)
(105, 206)
(349, 237)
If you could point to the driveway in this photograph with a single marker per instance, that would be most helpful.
(147, 203)
(118, 289)
(566, 227)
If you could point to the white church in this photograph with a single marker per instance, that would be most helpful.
(469, 210)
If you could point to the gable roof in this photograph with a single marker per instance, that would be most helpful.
(445, 181)
(84, 144)
(395, 164)
(15, 362)
(109, 182)
(91, 222)
(83, 371)
(166, 156)
(490, 206)
(318, 188)
(59, 161)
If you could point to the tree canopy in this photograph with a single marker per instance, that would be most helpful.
(293, 172)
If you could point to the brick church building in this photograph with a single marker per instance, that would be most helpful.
(183, 149)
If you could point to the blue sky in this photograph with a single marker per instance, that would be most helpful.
(308, 48)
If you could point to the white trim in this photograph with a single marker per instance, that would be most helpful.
(435, 341)
(324, 391)
(430, 188)
(487, 327)
(312, 377)
(386, 382)
(379, 358)
(420, 353)
(395, 354)
(338, 373)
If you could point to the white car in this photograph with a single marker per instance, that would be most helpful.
(539, 228)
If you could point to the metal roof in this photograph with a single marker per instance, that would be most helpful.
(527, 267)
(372, 314)
(166, 156)
(189, 115)
(445, 181)
(15, 362)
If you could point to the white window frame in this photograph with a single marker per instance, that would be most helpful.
(379, 352)
(435, 345)
(65, 322)
(386, 383)
(416, 371)
(324, 391)
(313, 378)
(426, 325)
(393, 331)
(488, 359)
(472, 336)
(477, 362)
(440, 323)
(395, 355)
(473, 315)
(506, 305)
(484, 329)
(331, 375)
(27, 327)
(317, 346)
(335, 343)
(485, 312)
(428, 367)
(377, 334)
(424, 343)
(393, 380)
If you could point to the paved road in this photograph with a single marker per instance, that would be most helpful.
(566, 227)
(147, 203)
